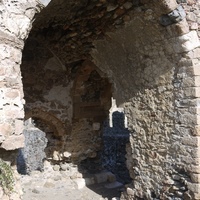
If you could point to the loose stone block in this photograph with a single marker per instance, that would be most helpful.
(111, 177)
(49, 184)
(67, 154)
(181, 28)
(56, 167)
(168, 5)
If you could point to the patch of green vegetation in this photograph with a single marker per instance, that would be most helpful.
(6, 177)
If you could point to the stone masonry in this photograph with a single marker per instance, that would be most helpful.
(77, 54)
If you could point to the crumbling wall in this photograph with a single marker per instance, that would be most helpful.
(70, 100)
(15, 24)
(47, 84)
(149, 65)
(153, 65)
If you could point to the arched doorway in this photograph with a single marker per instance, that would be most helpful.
(155, 68)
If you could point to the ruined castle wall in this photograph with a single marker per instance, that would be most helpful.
(153, 71)
(65, 99)
(47, 84)
(15, 24)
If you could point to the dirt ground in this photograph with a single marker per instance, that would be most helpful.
(40, 187)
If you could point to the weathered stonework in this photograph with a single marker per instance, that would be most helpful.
(149, 61)
(154, 71)
(70, 102)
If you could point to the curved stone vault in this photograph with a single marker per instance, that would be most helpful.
(66, 59)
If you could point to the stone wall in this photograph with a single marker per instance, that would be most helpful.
(159, 96)
(15, 24)
(71, 100)
(152, 62)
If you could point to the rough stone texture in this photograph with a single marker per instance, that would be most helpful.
(153, 69)
(115, 139)
(78, 24)
(148, 61)
(68, 100)
(15, 23)
(32, 156)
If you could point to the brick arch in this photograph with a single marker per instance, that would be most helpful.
(49, 118)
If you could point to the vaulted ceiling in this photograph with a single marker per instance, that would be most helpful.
(69, 28)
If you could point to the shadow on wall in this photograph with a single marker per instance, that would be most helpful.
(21, 162)
(41, 143)
(110, 172)
(115, 139)
(31, 157)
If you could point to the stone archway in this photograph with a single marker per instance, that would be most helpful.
(167, 79)
(59, 128)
